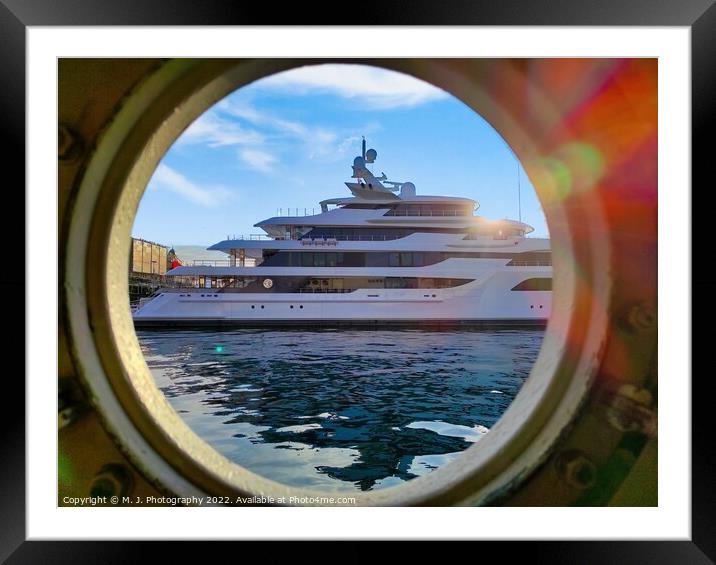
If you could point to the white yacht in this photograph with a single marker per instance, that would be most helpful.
(383, 256)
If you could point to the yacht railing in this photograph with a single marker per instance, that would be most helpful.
(530, 264)
(288, 212)
(367, 237)
(211, 263)
(451, 213)
(251, 237)
(229, 263)
(297, 212)
(219, 263)
(327, 240)
(321, 240)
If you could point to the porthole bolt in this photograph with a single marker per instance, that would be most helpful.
(114, 479)
(71, 404)
(68, 143)
(66, 416)
(576, 469)
(629, 410)
(641, 317)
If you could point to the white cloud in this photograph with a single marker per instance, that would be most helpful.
(257, 159)
(319, 143)
(349, 143)
(256, 132)
(167, 178)
(216, 131)
(252, 115)
(376, 89)
(261, 135)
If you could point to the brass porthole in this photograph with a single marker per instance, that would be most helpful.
(106, 353)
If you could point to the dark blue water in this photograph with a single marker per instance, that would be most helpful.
(340, 410)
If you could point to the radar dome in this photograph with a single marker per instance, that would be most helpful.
(370, 155)
(359, 162)
(407, 189)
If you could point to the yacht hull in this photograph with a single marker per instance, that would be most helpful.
(472, 304)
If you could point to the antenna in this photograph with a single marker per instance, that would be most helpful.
(363, 146)
(519, 197)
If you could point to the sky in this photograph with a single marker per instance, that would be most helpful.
(289, 140)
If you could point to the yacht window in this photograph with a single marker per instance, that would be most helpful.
(532, 258)
(395, 259)
(542, 283)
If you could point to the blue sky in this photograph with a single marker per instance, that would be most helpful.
(288, 141)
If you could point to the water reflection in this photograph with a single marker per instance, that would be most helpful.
(340, 409)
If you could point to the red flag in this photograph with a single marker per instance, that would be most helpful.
(174, 261)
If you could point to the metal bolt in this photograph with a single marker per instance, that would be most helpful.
(65, 416)
(576, 469)
(629, 410)
(638, 395)
(68, 144)
(71, 404)
(641, 317)
(114, 479)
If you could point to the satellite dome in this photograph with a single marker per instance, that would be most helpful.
(359, 162)
(407, 189)
(370, 155)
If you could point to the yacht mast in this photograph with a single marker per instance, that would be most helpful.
(519, 196)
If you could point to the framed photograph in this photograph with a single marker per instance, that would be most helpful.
(366, 356)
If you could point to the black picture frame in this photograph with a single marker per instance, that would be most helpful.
(699, 15)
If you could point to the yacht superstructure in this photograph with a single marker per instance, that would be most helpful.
(383, 256)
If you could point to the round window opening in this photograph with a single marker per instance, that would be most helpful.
(421, 317)
(396, 324)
